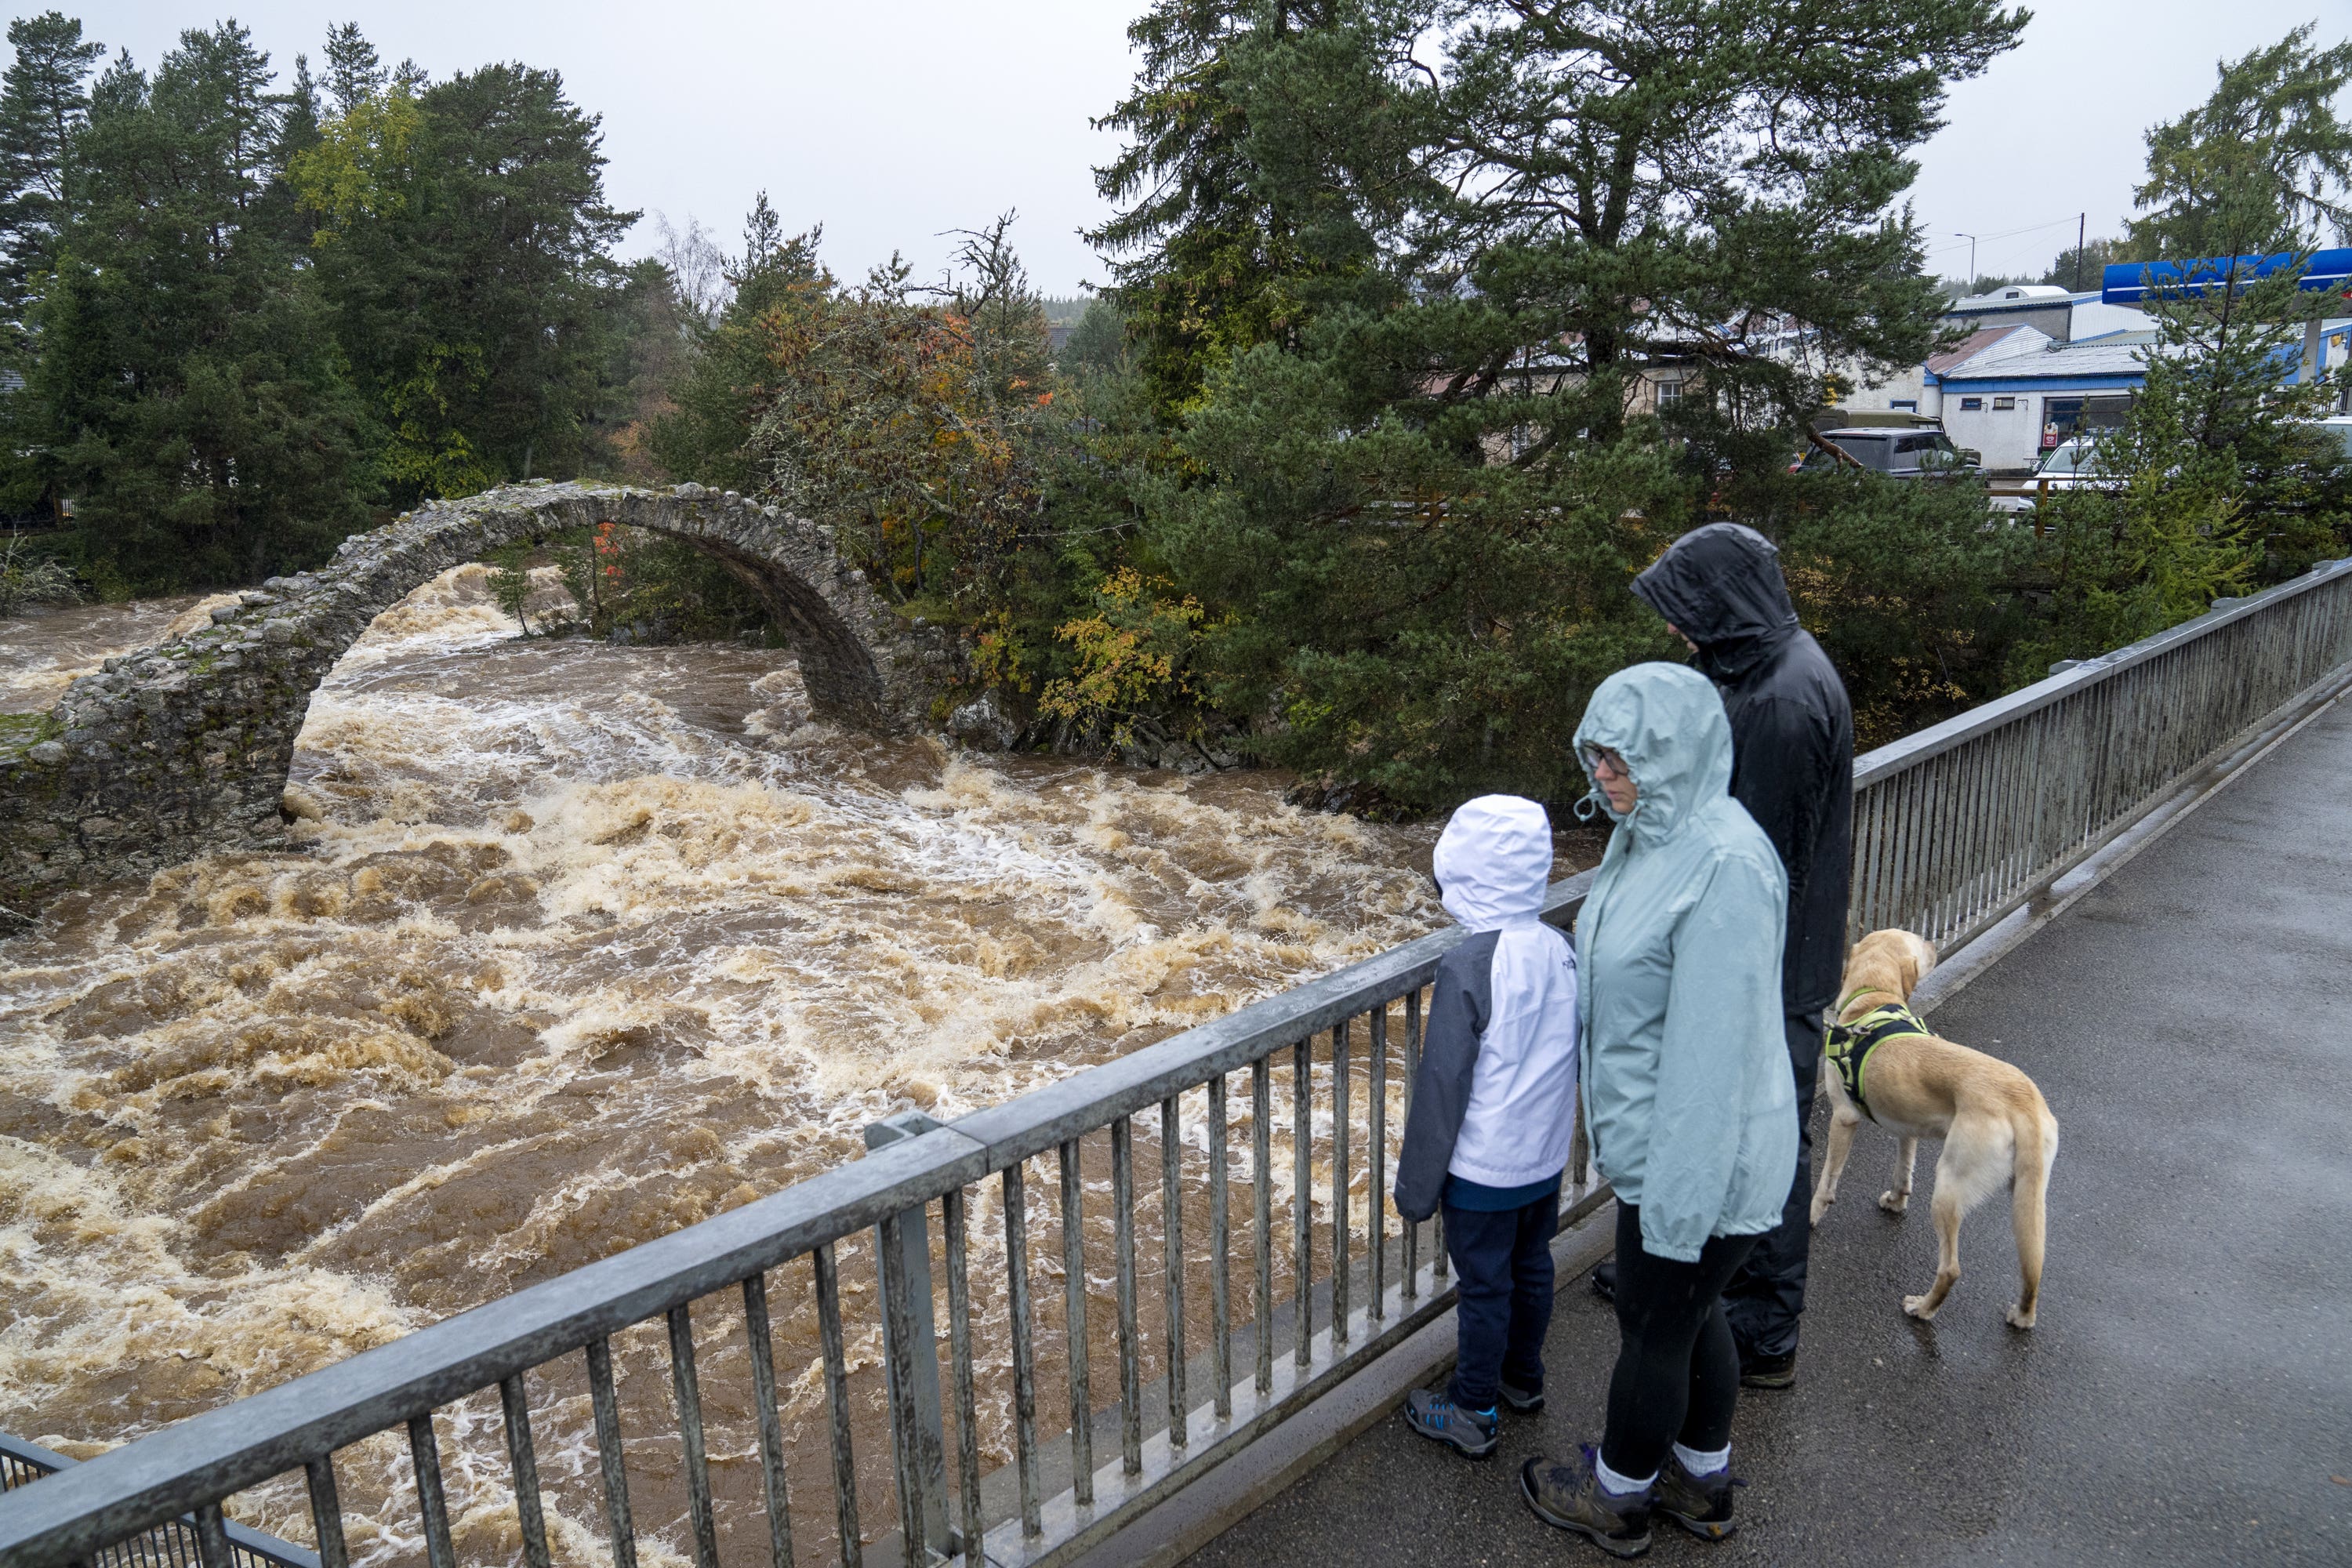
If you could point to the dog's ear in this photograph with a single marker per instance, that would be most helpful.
(1919, 958)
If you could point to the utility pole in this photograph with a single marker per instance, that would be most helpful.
(2082, 227)
(1972, 259)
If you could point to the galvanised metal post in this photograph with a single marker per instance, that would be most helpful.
(922, 1451)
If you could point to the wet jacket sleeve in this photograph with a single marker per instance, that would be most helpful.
(1458, 1006)
(1723, 1016)
(1786, 754)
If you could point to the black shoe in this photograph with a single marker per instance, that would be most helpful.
(1569, 1495)
(1700, 1504)
(1604, 1280)
(1769, 1371)
(1470, 1433)
(1524, 1401)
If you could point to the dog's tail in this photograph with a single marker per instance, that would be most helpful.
(2036, 1132)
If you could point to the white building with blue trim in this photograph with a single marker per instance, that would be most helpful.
(2012, 393)
(2042, 363)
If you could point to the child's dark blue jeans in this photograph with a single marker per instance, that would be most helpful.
(1502, 1261)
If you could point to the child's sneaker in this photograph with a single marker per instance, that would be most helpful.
(1525, 1401)
(1472, 1433)
(1571, 1496)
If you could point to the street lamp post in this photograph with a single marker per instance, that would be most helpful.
(1972, 257)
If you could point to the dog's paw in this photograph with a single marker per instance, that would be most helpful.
(1917, 1307)
(1821, 1207)
(1893, 1202)
(2019, 1319)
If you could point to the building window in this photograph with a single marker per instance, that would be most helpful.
(1906, 404)
(1669, 393)
(1971, 404)
(2001, 404)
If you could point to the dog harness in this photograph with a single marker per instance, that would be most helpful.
(1850, 1044)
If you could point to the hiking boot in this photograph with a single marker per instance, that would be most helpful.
(1769, 1371)
(1604, 1280)
(1700, 1504)
(1567, 1494)
(1525, 1401)
(1471, 1433)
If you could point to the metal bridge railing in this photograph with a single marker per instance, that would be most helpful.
(1960, 824)
(173, 1543)
(1296, 1100)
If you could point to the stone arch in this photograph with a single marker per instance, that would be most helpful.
(183, 749)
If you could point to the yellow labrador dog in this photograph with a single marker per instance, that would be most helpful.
(1883, 1065)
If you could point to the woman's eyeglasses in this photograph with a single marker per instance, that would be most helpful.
(1600, 759)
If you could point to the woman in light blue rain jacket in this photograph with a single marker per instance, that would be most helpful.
(1688, 1097)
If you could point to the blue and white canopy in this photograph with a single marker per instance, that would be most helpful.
(2138, 282)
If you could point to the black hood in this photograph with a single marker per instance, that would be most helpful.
(1721, 587)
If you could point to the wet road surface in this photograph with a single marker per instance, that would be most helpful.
(2188, 1395)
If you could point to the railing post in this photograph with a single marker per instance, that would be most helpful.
(921, 1451)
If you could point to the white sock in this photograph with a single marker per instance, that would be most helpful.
(1700, 1464)
(1615, 1484)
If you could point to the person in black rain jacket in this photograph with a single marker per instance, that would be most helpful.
(1719, 587)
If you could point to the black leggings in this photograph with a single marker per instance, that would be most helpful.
(1677, 1378)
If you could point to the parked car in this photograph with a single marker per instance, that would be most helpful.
(2072, 465)
(1911, 455)
(1897, 454)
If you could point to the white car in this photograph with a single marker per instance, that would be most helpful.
(2073, 464)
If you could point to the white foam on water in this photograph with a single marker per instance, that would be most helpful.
(580, 944)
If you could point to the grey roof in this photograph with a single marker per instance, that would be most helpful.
(2113, 353)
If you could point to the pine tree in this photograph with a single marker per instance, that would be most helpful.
(2221, 478)
(355, 74)
(1412, 514)
(42, 103)
(2262, 168)
(465, 241)
(2266, 159)
(190, 387)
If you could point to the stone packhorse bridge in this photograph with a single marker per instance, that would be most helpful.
(183, 749)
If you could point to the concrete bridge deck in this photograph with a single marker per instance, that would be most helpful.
(2187, 1396)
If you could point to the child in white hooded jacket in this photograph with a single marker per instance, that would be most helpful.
(1493, 1113)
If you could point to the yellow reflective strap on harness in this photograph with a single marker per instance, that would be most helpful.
(1849, 1045)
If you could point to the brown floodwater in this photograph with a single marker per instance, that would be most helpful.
(40, 653)
(579, 944)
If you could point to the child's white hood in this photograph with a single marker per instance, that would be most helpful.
(1493, 861)
(1493, 864)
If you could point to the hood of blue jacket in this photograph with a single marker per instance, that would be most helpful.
(1667, 722)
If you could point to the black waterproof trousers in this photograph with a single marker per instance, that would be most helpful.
(1677, 1376)
(1766, 1295)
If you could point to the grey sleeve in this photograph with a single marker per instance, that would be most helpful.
(1460, 1001)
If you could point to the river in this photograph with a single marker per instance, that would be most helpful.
(576, 944)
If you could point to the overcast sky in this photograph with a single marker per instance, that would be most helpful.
(891, 120)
